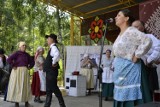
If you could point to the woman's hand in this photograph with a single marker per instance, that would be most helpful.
(157, 62)
(135, 59)
(54, 65)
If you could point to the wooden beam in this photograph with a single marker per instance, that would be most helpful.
(84, 3)
(124, 2)
(66, 8)
(130, 2)
(112, 10)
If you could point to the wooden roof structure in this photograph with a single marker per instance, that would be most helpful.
(91, 8)
(87, 10)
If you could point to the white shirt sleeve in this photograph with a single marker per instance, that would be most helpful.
(55, 54)
(1, 63)
(154, 52)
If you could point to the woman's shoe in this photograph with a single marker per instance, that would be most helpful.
(89, 92)
(39, 101)
(27, 104)
(16, 104)
(35, 99)
(106, 99)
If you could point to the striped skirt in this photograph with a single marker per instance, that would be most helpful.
(19, 88)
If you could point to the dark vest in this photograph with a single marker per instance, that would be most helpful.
(48, 63)
(51, 73)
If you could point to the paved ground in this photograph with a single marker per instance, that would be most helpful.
(87, 101)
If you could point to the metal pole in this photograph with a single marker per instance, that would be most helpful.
(100, 70)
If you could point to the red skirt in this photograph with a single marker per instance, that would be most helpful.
(36, 85)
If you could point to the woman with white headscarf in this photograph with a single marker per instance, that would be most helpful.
(19, 88)
(39, 79)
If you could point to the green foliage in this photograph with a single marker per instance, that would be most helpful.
(29, 21)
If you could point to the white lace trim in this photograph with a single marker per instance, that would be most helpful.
(128, 86)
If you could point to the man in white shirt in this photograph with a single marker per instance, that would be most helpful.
(51, 67)
(151, 58)
(153, 55)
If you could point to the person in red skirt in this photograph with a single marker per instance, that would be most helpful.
(39, 79)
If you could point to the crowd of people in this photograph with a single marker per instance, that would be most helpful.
(17, 87)
(129, 78)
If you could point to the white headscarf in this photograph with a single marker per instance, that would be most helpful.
(85, 55)
(39, 49)
(21, 43)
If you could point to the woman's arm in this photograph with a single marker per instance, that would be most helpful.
(31, 61)
(144, 45)
(11, 59)
(84, 62)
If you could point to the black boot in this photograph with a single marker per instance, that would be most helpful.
(61, 102)
(27, 104)
(16, 104)
(62, 105)
(38, 100)
(106, 99)
(48, 100)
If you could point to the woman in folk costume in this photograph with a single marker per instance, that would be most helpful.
(39, 79)
(128, 48)
(107, 75)
(19, 88)
(86, 70)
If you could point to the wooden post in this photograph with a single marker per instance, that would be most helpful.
(72, 30)
(80, 39)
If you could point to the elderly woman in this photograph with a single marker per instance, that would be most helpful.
(19, 89)
(39, 79)
(86, 70)
(128, 48)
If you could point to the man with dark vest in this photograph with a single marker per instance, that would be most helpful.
(51, 67)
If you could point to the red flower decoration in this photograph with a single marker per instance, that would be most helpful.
(96, 29)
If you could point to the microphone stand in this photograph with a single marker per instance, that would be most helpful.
(100, 70)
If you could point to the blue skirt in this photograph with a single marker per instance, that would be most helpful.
(146, 95)
(127, 77)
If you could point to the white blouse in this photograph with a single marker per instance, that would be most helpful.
(107, 75)
(131, 42)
